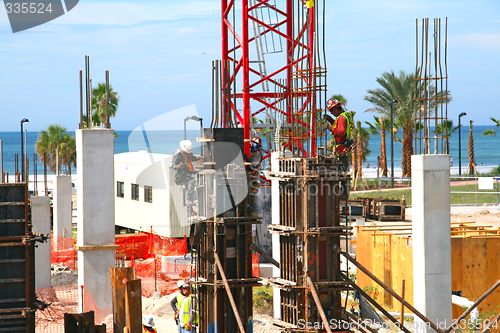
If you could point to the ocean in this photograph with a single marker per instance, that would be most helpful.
(167, 142)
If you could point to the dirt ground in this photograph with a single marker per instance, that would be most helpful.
(163, 314)
(483, 217)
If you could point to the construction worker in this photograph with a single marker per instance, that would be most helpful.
(185, 175)
(253, 179)
(176, 302)
(188, 314)
(147, 325)
(341, 131)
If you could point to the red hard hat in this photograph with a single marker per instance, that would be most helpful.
(332, 103)
(256, 139)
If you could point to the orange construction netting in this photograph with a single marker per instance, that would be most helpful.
(143, 245)
(67, 299)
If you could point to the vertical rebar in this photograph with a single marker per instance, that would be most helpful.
(107, 125)
(25, 155)
(87, 91)
(431, 94)
(80, 126)
(1, 165)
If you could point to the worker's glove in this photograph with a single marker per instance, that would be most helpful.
(329, 119)
(187, 326)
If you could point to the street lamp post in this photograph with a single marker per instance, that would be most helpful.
(22, 149)
(392, 145)
(460, 143)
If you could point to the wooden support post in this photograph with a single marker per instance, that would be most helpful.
(318, 304)
(228, 291)
(388, 289)
(119, 275)
(402, 305)
(133, 306)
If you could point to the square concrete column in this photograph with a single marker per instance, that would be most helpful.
(62, 207)
(40, 218)
(96, 213)
(431, 239)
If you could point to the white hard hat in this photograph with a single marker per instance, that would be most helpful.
(180, 283)
(148, 321)
(186, 146)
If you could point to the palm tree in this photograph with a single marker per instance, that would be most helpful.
(492, 131)
(56, 147)
(472, 164)
(99, 103)
(361, 150)
(403, 89)
(379, 125)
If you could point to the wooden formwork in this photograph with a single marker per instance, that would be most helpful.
(17, 261)
(388, 253)
(357, 208)
(222, 236)
(309, 227)
(386, 209)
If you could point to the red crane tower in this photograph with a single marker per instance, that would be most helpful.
(293, 87)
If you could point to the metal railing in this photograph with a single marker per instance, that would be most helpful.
(476, 187)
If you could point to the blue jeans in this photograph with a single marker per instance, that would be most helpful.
(192, 330)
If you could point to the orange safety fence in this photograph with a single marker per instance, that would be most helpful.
(63, 252)
(67, 299)
(143, 245)
(255, 265)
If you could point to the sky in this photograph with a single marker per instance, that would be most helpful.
(159, 55)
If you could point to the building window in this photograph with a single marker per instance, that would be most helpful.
(148, 193)
(135, 192)
(120, 190)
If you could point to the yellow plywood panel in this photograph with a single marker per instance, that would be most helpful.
(493, 274)
(363, 255)
(474, 268)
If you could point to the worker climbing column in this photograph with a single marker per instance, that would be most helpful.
(431, 239)
(96, 213)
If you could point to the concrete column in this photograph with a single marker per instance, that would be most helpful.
(275, 213)
(96, 213)
(62, 207)
(431, 239)
(40, 218)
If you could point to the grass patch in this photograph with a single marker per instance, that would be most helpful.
(263, 299)
(486, 196)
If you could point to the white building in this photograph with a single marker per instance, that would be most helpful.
(146, 195)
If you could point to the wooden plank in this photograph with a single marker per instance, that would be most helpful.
(457, 271)
(133, 306)
(118, 287)
(364, 249)
(387, 268)
(492, 273)
(96, 247)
